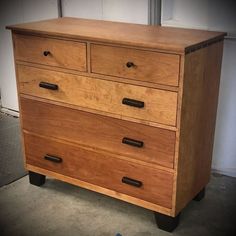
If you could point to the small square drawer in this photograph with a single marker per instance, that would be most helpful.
(142, 65)
(101, 169)
(53, 52)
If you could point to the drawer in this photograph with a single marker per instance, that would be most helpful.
(61, 53)
(100, 169)
(154, 67)
(141, 142)
(112, 97)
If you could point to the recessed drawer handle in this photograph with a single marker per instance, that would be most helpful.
(130, 64)
(133, 182)
(48, 86)
(53, 158)
(132, 102)
(132, 142)
(46, 53)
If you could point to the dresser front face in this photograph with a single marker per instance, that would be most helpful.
(52, 52)
(106, 117)
(96, 94)
(155, 67)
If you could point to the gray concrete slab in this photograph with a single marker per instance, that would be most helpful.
(58, 208)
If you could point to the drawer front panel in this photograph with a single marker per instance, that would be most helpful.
(100, 169)
(107, 96)
(52, 52)
(135, 64)
(100, 132)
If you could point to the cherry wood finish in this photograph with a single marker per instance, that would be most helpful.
(101, 170)
(156, 86)
(198, 117)
(99, 132)
(160, 106)
(135, 64)
(170, 39)
(96, 188)
(52, 52)
(117, 116)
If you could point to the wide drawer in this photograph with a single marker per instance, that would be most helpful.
(112, 97)
(141, 142)
(154, 67)
(100, 169)
(52, 52)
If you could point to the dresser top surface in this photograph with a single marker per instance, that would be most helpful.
(169, 39)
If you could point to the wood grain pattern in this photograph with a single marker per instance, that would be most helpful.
(101, 170)
(116, 116)
(148, 66)
(63, 53)
(163, 38)
(96, 188)
(176, 75)
(198, 116)
(160, 106)
(98, 131)
(177, 139)
(103, 77)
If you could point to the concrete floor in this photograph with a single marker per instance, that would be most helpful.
(11, 158)
(58, 208)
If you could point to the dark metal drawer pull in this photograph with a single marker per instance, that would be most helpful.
(48, 86)
(132, 142)
(132, 102)
(53, 158)
(46, 53)
(130, 64)
(133, 182)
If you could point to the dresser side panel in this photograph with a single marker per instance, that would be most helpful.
(198, 117)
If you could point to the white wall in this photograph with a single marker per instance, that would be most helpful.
(89, 9)
(201, 14)
(14, 12)
(214, 15)
(224, 153)
(10, 13)
(133, 11)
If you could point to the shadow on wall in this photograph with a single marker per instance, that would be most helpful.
(224, 153)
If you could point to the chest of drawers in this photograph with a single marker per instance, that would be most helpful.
(122, 109)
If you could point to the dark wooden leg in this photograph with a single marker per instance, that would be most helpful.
(165, 222)
(200, 195)
(36, 179)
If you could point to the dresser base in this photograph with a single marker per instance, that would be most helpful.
(36, 179)
(166, 223)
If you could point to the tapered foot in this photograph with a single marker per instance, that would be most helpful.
(200, 195)
(36, 179)
(165, 222)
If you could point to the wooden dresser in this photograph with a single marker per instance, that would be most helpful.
(121, 109)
